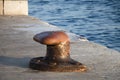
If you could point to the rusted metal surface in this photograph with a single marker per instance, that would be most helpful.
(58, 54)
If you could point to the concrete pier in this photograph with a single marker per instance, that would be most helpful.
(17, 48)
(13, 7)
(1, 7)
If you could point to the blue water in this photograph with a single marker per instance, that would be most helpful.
(97, 20)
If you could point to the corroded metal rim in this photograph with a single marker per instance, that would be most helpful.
(41, 64)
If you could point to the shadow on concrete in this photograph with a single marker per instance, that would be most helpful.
(12, 61)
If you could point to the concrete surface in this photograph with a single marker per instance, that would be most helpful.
(1, 7)
(13, 7)
(17, 48)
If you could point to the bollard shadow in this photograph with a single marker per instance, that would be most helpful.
(12, 61)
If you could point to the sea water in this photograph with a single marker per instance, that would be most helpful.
(97, 20)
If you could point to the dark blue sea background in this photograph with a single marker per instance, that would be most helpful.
(97, 20)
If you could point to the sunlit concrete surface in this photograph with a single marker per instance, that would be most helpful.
(1, 7)
(17, 48)
(13, 7)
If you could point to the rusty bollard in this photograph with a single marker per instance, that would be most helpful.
(57, 57)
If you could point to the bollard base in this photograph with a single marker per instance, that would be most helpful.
(41, 64)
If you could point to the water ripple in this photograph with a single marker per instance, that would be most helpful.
(98, 20)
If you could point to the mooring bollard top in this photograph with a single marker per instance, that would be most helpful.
(51, 37)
